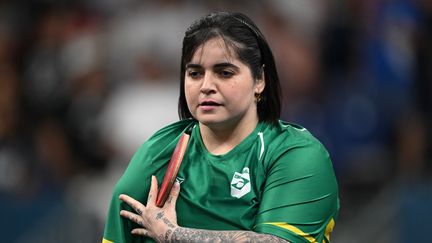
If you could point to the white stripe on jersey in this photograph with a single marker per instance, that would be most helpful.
(260, 134)
(300, 129)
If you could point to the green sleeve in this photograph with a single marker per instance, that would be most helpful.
(150, 159)
(134, 182)
(300, 198)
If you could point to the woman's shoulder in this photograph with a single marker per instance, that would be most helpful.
(287, 138)
(179, 126)
(164, 140)
(286, 135)
(173, 130)
(293, 144)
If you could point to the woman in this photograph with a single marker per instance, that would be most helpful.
(246, 176)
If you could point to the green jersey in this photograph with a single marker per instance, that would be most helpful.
(279, 180)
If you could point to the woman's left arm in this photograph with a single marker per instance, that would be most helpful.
(161, 223)
(197, 235)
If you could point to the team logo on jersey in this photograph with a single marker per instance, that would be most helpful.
(240, 183)
(179, 180)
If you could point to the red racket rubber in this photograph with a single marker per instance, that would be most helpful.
(172, 170)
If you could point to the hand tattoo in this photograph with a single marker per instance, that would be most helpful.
(167, 222)
(160, 215)
(161, 238)
(137, 220)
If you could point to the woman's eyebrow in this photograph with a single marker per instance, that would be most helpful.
(193, 65)
(216, 66)
(225, 65)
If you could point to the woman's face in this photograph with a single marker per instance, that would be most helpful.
(219, 87)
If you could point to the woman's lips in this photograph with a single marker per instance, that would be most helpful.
(209, 105)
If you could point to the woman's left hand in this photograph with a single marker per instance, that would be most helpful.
(157, 223)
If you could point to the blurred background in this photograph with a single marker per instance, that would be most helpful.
(84, 83)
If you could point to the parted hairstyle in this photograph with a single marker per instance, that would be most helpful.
(244, 38)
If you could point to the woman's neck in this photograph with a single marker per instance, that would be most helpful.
(221, 139)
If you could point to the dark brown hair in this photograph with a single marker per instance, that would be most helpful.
(250, 46)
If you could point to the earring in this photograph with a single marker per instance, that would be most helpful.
(257, 97)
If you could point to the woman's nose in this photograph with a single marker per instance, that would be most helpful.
(208, 84)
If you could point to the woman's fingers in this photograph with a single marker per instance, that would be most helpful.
(153, 191)
(172, 198)
(140, 231)
(136, 205)
(133, 217)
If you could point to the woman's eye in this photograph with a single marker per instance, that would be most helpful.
(225, 74)
(194, 74)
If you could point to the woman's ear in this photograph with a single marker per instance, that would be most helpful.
(260, 85)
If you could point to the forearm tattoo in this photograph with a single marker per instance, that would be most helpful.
(167, 235)
(198, 235)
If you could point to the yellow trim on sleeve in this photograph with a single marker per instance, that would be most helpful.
(295, 230)
(329, 229)
(107, 241)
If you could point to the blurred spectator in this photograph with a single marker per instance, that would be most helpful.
(14, 168)
(45, 88)
(415, 137)
(422, 92)
(155, 27)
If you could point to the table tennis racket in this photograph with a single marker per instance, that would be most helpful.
(173, 168)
